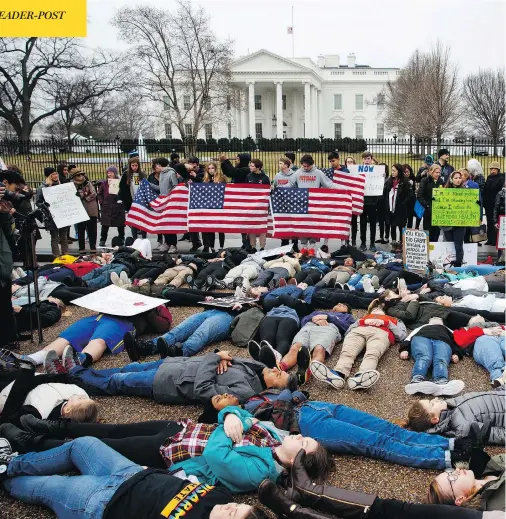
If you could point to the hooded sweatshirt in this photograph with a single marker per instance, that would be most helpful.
(284, 179)
(237, 174)
(312, 178)
(168, 180)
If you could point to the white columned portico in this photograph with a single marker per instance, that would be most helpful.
(251, 109)
(314, 110)
(307, 110)
(279, 109)
(244, 114)
(295, 119)
(238, 115)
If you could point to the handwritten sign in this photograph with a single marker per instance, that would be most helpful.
(113, 186)
(415, 250)
(374, 178)
(285, 249)
(114, 300)
(65, 207)
(442, 253)
(501, 234)
(455, 207)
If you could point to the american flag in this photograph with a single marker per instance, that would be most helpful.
(228, 208)
(314, 212)
(354, 184)
(166, 214)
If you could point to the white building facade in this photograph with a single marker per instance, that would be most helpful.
(296, 97)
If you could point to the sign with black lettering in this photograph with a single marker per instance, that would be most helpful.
(415, 250)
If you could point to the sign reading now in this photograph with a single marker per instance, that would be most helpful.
(43, 18)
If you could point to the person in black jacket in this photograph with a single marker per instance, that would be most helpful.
(128, 186)
(493, 185)
(398, 194)
(432, 181)
(409, 174)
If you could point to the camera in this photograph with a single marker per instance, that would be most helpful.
(41, 214)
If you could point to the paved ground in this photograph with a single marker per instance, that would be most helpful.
(387, 399)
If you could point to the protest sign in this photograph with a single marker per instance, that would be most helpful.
(441, 254)
(501, 234)
(455, 207)
(415, 249)
(285, 249)
(65, 207)
(114, 300)
(374, 178)
(113, 186)
(229, 302)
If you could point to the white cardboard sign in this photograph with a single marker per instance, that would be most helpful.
(285, 249)
(501, 234)
(114, 300)
(113, 186)
(374, 178)
(65, 207)
(442, 253)
(416, 249)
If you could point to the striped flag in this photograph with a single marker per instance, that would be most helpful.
(312, 213)
(228, 208)
(166, 214)
(354, 184)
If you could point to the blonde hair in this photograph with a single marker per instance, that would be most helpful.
(464, 172)
(85, 411)
(349, 157)
(436, 496)
(218, 175)
(433, 168)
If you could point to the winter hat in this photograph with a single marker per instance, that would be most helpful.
(442, 152)
(74, 172)
(48, 171)
(429, 160)
(495, 165)
(113, 169)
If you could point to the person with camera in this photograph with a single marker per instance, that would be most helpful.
(58, 236)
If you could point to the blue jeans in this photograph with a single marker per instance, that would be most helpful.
(430, 351)
(490, 352)
(354, 279)
(199, 330)
(33, 479)
(342, 429)
(101, 277)
(133, 379)
(482, 270)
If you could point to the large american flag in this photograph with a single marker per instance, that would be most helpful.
(354, 184)
(312, 213)
(166, 214)
(228, 208)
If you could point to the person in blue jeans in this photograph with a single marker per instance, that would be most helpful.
(490, 352)
(433, 345)
(109, 485)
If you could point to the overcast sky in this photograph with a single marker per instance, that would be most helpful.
(381, 33)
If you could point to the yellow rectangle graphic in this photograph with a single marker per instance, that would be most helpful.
(43, 18)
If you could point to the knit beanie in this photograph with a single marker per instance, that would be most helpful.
(48, 171)
(442, 152)
(113, 169)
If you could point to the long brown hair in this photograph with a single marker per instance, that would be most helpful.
(418, 418)
(130, 173)
(435, 496)
(218, 174)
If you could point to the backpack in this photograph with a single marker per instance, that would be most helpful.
(245, 326)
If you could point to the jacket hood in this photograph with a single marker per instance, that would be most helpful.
(244, 160)
(289, 173)
(443, 426)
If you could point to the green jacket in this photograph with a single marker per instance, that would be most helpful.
(492, 494)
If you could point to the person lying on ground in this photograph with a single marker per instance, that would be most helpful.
(50, 312)
(179, 380)
(432, 344)
(110, 486)
(47, 289)
(241, 275)
(284, 267)
(456, 417)
(339, 275)
(375, 333)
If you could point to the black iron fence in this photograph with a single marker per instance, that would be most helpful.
(94, 156)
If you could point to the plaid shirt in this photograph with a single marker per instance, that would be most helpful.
(192, 440)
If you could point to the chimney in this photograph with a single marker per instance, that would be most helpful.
(321, 61)
(332, 61)
(351, 60)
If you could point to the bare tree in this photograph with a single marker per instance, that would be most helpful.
(29, 65)
(181, 62)
(484, 95)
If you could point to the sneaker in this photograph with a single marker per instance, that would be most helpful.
(419, 385)
(218, 283)
(131, 346)
(240, 291)
(254, 349)
(303, 363)
(292, 281)
(304, 250)
(272, 284)
(159, 245)
(172, 249)
(13, 361)
(282, 282)
(52, 364)
(123, 277)
(363, 380)
(267, 356)
(401, 284)
(368, 288)
(449, 388)
(6, 456)
(276, 353)
(325, 374)
(190, 281)
(372, 247)
(115, 279)
(238, 282)
(162, 347)
(69, 358)
(375, 282)
(163, 247)
(101, 243)
(501, 381)
(175, 350)
(362, 247)
(20, 272)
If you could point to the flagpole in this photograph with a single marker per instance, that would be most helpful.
(293, 41)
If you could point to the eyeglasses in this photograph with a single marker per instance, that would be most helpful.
(452, 477)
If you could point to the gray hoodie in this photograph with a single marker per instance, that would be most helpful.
(312, 178)
(284, 179)
(254, 261)
(168, 180)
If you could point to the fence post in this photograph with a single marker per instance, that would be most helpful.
(53, 145)
(472, 147)
(395, 147)
(117, 139)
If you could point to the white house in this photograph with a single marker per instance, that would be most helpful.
(296, 97)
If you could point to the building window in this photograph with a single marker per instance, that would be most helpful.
(168, 131)
(229, 128)
(258, 102)
(258, 131)
(338, 130)
(381, 100)
(166, 102)
(359, 130)
(209, 131)
(188, 130)
(359, 101)
(380, 131)
(338, 101)
(283, 100)
(229, 103)
(186, 102)
(207, 104)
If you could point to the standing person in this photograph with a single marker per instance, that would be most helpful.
(432, 181)
(63, 172)
(443, 156)
(493, 185)
(476, 171)
(369, 213)
(257, 176)
(408, 173)
(285, 178)
(88, 196)
(58, 236)
(291, 157)
(350, 161)
(382, 211)
(211, 174)
(112, 212)
(398, 193)
(128, 186)
(423, 170)
(154, 184)
(498, 211)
